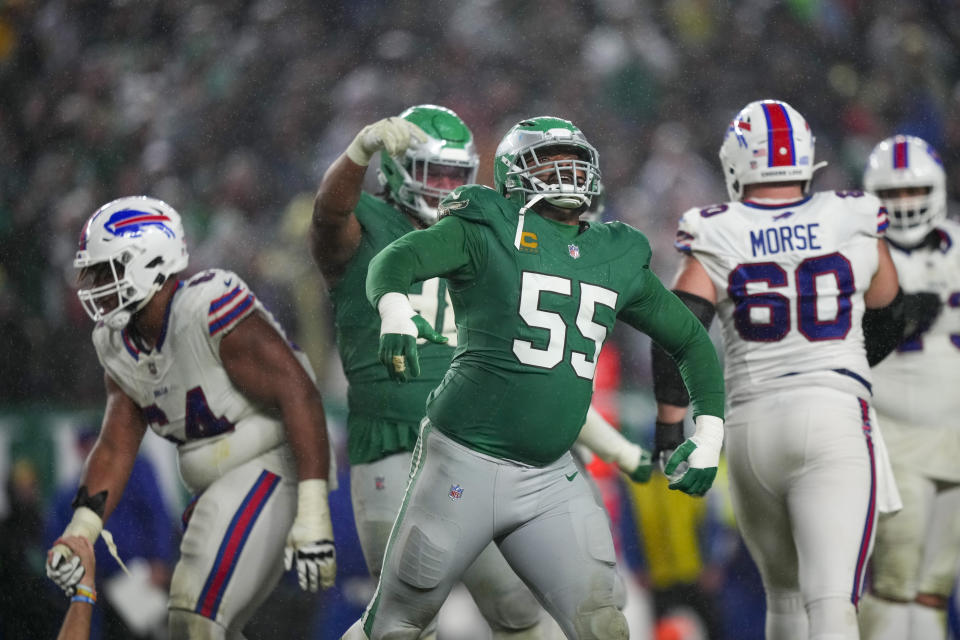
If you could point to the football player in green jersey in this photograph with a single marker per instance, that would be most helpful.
(426, 152)
(535, 294)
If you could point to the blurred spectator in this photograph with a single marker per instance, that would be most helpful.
(144, 532)
(29, 609)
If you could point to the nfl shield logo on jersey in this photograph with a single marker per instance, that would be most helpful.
(456, 492)
(574, 251)
(379, 483)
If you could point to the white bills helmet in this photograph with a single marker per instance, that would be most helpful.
(768, 141)
(140, 240)
(906, 173)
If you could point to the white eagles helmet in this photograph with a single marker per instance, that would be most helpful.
(908, 162)
(768, 141)
(142, 241)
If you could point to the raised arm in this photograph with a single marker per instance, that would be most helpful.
(262, 365)
(334, 230)
(104, 477)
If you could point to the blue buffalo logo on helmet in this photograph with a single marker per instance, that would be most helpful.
(132, 222)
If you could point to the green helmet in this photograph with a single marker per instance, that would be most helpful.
(519, 172)
(428, 171)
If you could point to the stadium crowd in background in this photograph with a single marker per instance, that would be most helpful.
(230, 110)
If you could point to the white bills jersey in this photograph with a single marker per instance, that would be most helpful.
(917, 383)
(181, 385)
(790, 280)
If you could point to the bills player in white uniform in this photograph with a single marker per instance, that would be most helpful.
(790, 274)
(205, 366)
(918, 548)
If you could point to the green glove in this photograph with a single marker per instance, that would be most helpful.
(693, 466)
(644, 469)
(398, 351)
(694, 482)
(424, 330)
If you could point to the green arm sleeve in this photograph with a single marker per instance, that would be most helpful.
(441, 250)
(661, 315)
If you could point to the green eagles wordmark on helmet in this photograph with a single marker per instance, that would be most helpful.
(430, 170)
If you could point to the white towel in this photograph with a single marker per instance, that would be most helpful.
(888, 496)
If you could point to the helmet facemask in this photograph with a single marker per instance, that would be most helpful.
(566, 184)
(116, 300)
(426, 178)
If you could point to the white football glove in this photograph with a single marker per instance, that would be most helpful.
(310, 542)
(608, 444)
(393, 135)
(63, 565)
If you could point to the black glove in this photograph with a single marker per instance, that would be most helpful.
(920, 309)
(667, 437)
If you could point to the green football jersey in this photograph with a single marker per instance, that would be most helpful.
(384, 416)
(533, 307)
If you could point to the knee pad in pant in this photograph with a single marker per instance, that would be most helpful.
(533, 632)
(605, 623)
(510, 610)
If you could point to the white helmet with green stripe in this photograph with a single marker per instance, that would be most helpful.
(430, 170)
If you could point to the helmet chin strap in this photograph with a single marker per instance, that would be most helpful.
(523, 210)
(119, 319)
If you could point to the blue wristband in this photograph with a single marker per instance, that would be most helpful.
(83, 598)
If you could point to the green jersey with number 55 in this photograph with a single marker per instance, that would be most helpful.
(384, 417)
(534, 301)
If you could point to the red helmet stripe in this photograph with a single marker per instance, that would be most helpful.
(900, 153)
(780, 150)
